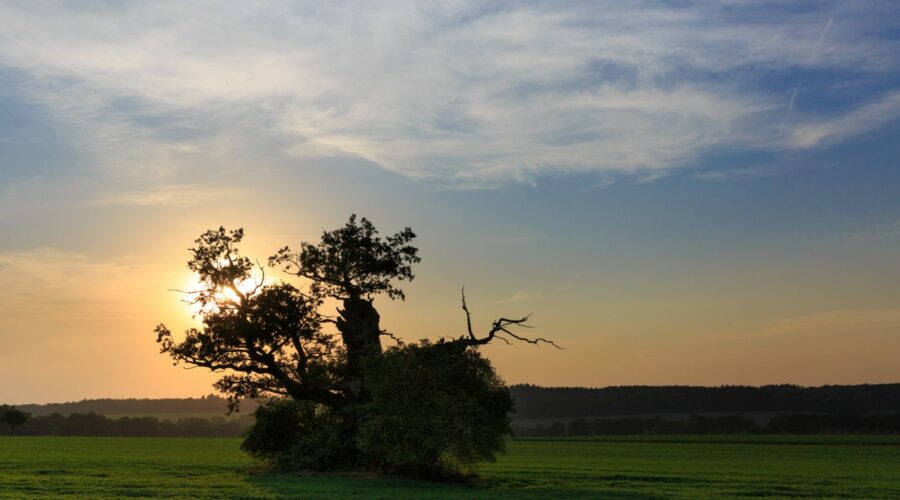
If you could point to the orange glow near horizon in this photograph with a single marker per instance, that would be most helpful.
(101, 336)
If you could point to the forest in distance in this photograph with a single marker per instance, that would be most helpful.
(541, 412)
(536, 402)
(92, 424)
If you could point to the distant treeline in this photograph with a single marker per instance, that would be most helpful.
(208, 404)
(533, 402)
(91, 424)
(727, 424)
(549, 404)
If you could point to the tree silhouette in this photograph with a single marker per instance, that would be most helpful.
(13, 418)
(273, 340)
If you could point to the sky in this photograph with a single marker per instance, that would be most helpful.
(680, 192)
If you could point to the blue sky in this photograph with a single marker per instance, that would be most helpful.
(683, 192)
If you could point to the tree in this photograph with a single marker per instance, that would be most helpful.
(274, 341)
(14, 418)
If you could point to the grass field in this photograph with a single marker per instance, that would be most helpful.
(639, 467)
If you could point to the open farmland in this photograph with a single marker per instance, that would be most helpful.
(640, 467)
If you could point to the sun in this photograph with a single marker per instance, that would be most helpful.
(232, 295)
(223, 295)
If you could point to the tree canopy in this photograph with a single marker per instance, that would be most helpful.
(13, 418)
(336, 392)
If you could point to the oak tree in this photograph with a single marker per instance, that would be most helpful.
(327, 375)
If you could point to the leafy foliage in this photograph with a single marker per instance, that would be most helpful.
(299, 435)
(268, 338)
(436, 408)
(353, 260)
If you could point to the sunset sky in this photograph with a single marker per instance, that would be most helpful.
(682, 193)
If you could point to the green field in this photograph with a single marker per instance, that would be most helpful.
(641, 467)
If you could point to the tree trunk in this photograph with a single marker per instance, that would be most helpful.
(358, 323)
(359, 326)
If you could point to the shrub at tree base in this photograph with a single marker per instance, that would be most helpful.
(435, 410)
(295, 435)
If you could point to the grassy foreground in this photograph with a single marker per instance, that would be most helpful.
(681, 466)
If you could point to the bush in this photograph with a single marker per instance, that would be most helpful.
(296, 435)
(436, 409)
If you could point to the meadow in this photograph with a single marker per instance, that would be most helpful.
(629, 467)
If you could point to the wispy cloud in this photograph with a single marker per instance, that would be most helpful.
(863, 119)
(171, 196)
(466, 93)
(521, 296)
(847, 323)
(54, 292)
(826, 30)
(790, 107)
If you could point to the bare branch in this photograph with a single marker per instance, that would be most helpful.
(535, 341)
(503, 339)
(393, 337)
(468, 314)
(500, 325)
(258, 284)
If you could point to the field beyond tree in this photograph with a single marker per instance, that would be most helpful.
(631, 467)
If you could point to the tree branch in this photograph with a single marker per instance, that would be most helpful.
(500, 325)
(393, 337)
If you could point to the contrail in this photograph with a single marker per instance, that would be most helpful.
(790, 107)
(797, 87)
(826, 30)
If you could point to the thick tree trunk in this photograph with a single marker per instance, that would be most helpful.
(358, 323)
(359, 326)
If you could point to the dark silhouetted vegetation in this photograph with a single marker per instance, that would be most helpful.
(774, 409)
(452, 410)
(210, 405)
(91, 424)
(417, 409)
(834, 424)
(435, 408)
(638, 410)
(13, 418)
(533, 402)
(793, 423)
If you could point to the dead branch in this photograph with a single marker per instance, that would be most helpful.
(501, 325)
(393, 337)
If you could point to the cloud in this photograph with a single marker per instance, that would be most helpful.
(522, 296)
(171, 196)
(790, 107)
(853, 124)
(466, 93)
(737, 174)
(52, 293)
(846, 323)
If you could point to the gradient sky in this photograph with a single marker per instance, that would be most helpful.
(682, 193)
